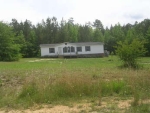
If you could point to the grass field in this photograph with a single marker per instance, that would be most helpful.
(36, 81)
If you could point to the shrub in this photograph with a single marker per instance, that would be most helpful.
(129, 52)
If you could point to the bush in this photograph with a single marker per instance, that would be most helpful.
(129, 52)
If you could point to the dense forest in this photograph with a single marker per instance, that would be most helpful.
(24, 38)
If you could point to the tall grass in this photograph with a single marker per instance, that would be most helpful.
(68, 87)
(24, 83)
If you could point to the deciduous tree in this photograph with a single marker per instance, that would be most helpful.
(9, 51)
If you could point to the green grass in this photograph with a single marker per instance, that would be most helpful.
(56, 81)
(143, 108)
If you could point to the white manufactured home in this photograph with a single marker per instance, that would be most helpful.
(66, 49)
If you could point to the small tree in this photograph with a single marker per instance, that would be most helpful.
(129, 52)
(9, 50)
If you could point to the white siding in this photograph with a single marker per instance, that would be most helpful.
(45, 51)
(95, 49)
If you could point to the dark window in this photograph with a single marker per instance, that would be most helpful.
(51, 50)
(87, 48)
(79, 49)
(68, 49)
(65, 50)
(72, 49)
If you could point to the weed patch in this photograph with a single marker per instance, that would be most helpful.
(114, 86)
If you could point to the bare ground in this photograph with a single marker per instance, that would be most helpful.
(107, 105)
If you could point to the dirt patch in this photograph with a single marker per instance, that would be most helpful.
(55, 109)
(124, 104)
(75, 108)
(107, 104)
(41, 60)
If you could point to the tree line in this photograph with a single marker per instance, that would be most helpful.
(22, 39)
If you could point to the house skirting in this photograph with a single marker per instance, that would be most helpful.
(76, 56)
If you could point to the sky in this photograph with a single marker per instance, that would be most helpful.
(109, 12)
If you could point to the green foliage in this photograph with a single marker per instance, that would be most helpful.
(28, 37)
(50, 31)
(9, 50)
(117, 32)
(98, 25)
(98, 36)
(130, 52)
(147, 45)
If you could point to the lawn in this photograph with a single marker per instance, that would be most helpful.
(45, 81)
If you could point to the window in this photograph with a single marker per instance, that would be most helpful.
(79, 49)
(51, 50)
(65, 50)
(87, 48)
(72, 49)
(68, 49)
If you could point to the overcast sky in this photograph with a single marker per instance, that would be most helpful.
(108, 11)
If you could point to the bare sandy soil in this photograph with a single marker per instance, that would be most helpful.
(107, 105)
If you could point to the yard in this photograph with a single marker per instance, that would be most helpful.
(74, 85)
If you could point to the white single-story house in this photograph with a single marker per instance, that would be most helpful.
(66, 49)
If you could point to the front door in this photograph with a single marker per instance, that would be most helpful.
(59, 51)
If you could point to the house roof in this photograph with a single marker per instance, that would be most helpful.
(78, 44)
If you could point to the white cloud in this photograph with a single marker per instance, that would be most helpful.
(108, 11)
